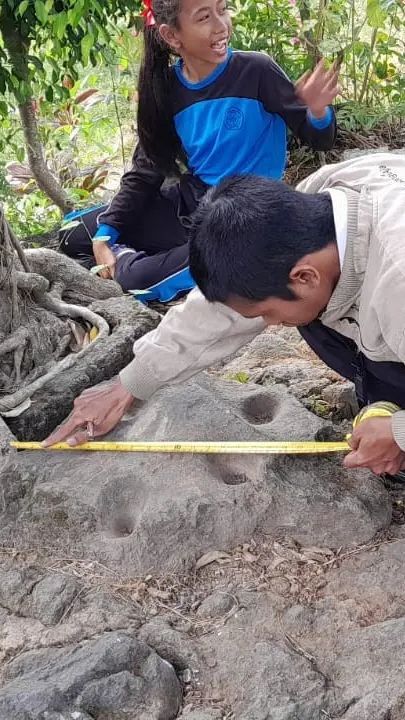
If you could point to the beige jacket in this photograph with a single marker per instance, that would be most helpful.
(368, 304)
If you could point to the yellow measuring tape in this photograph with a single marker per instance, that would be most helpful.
(202, 448)
(292, 447)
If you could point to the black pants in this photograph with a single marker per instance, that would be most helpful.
(159, 258)
(373, 380)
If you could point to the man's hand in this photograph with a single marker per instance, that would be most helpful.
(96, 411)
(103, 255)
(317, 90)
(373, 447)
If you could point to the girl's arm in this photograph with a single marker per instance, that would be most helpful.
(280, 96)
(138, 185)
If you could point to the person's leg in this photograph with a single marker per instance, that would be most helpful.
(336, 351)
(76, 234)
(163, 276)
(159, 228)
(373, 381)
(154, 261)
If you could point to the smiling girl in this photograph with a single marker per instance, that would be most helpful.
(210, 114)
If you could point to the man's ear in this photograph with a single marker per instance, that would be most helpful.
(169, 36)
(304, 277)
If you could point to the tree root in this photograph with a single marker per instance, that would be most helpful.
(14, 341)
(12, 401)
(31, 288)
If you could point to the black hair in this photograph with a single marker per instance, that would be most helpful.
(156, 129)
(249, 232)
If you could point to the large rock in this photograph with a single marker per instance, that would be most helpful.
(114, 677)
(154, 512)
(128, 320)
(281, 356)
(340, 656)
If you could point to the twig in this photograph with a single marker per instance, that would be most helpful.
(117, 113)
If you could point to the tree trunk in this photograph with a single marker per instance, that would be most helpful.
(45, 179)
(18, 50)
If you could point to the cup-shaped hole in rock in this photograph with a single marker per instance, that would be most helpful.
(121, 526)
(234, 469)
(261, 408)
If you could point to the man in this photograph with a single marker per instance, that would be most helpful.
(329, 258)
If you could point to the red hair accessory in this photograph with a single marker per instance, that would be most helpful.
(148, 13)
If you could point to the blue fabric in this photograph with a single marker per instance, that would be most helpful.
(107, 231)
(167, 289)
(79, 213)
(208, 80)
(230, 136)
(321, 123)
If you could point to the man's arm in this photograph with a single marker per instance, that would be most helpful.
(191, 337)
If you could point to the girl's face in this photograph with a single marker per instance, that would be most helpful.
(201, 36)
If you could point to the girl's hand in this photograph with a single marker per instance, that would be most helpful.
(317, 90)
(373, 447)
(103, 255)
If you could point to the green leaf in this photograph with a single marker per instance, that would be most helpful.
(49, 93)
(59, 25)
(22, 7)
(3, 108)
(376, 14)
(86, 45)
(41, 12)
(35, 61)
(70, 225)
(20, 153)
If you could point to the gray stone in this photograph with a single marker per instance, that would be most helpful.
(308, 664)
(215, 605)
(15, 585)
(67, 715)
(342, 397)
(201, 715)
(112, 675)
(51, 597)
(119, 507)
(171, 644)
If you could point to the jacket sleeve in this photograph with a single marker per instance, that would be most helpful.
(137, 186)
(385, 277)
(190, 337)
(277, 94)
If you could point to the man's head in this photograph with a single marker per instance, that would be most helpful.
(265, 249)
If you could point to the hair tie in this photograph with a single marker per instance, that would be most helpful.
(148, 13)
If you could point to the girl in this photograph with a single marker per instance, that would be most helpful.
(212, 114)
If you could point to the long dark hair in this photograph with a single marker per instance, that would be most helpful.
(156, 129)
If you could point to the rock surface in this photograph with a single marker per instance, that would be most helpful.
(205, 587)
(148, 512)
(114, 674)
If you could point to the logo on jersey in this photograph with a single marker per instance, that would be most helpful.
(233, 118)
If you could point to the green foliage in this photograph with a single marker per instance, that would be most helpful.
(367, 36)
(80, 134)
(240, 377)
(56, 51)
(54, 38)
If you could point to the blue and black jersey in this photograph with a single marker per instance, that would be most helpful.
(233, 122)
